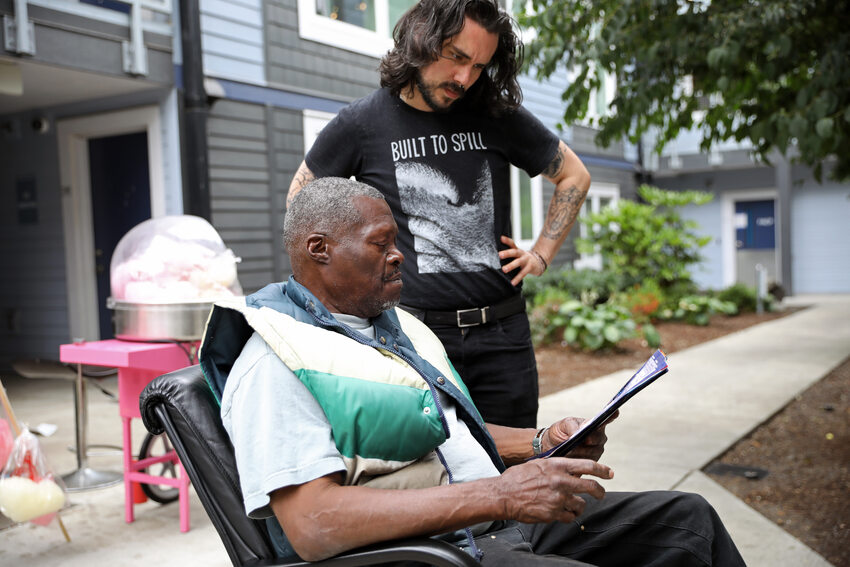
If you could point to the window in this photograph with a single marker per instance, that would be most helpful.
(526, 207)
(600, 98)
(362, 26)
(314, 121)
(599, 196)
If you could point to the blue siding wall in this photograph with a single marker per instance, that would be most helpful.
(709, 274)
(232, 40)
(543, 99)
(820, 238)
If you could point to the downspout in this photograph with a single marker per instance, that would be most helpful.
(196, 186)
(642, 175)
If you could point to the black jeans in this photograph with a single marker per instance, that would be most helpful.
(646, 529)
(496, 362)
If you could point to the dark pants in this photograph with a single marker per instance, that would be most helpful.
(496, 362)
(647, 529)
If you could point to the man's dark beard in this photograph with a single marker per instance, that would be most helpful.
(425, 91)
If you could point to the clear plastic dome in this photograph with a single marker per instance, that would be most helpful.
(173, 259)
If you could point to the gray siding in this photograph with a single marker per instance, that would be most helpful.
(242, 204)
(33, 298)
(254, 153)
(288, 149)
(567, 254)
(720, 180)
(308, 66)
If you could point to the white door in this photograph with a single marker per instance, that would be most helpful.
(74, 137)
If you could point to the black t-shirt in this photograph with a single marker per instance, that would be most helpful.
(446, 177)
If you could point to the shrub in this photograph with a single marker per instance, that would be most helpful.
(698, 309)
(745, 297)
(591, 285)
(640, 241)
(642, 300)
(580, 325)
(598, 327)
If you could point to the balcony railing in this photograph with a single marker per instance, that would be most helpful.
(138, 15)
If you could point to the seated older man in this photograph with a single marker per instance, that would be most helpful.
(351, 426)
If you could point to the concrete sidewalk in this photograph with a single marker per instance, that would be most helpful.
(714, 394)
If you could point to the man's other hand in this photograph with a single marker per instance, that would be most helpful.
(546, 490)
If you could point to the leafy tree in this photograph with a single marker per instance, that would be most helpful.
(647, 241)
(774, 72)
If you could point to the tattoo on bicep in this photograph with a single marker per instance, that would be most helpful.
(562, 213)
(302, 177)
(555, 165)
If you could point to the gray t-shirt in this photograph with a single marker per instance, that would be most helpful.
(282, 437)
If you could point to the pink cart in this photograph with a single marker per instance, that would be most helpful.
(138, 363)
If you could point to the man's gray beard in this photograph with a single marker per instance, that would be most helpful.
(389, 304)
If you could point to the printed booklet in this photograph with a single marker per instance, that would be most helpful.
(651, 369)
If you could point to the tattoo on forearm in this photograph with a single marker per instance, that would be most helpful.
(562, 213)
(555, 165)
(302, 177)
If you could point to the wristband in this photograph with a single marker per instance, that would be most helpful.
(538, 440)
(540, 257)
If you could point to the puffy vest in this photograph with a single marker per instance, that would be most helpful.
(380, 396)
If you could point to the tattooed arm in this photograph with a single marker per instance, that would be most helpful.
(571, 181)
(302, 177)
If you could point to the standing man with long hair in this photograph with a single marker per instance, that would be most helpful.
(438, 140)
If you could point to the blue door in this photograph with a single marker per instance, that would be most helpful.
(121, 199)
(755, 224)
(755, 240)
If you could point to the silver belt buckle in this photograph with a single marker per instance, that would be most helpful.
(473, 310)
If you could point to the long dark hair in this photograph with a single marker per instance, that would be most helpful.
(419, 37)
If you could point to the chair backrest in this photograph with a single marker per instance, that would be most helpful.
(182, 404)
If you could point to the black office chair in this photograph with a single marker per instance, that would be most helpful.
(181, 404)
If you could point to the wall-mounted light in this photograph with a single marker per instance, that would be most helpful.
(40, 124)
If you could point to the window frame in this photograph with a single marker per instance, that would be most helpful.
(312, 122)
(595, 194)
(536, 184)
(315, 27)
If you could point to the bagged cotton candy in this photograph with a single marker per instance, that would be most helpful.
(28, 489)
(23, 499)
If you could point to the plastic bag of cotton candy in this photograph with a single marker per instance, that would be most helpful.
(173, 259)
(29, 491)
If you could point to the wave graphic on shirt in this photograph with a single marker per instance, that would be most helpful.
(461, 239)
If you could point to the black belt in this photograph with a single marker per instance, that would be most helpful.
(472, 316)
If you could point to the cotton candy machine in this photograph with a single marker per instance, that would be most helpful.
(165, 275)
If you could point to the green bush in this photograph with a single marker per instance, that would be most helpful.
(580, 325)
(592, 286)
(745, 297)
(640, 241)
(698, 309)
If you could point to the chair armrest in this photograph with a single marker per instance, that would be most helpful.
(426, 550)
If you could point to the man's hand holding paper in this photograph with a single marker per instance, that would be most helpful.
(575, 434)
(591, 448)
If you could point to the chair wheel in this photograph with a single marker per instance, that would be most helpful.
(156, 446)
